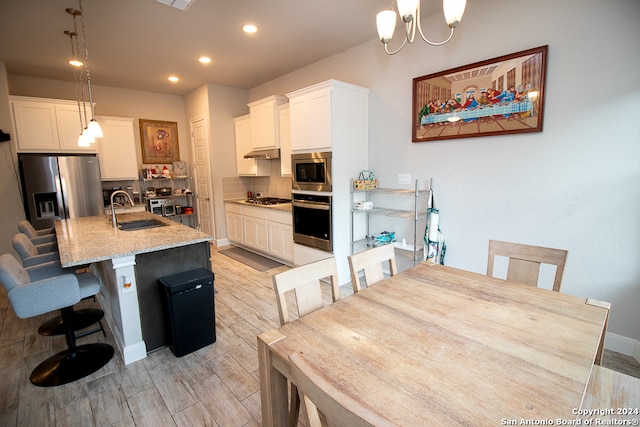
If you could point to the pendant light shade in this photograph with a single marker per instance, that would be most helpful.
(85, 140)
(386, 22)
(407, 9)
(453, 11)
(95, 129)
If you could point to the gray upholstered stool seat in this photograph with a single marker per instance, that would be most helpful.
(49, 263)
(32, 297)
(37, 236)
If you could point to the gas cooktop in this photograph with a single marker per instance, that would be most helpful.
(267, 201)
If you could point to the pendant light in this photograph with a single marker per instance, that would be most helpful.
(91, 129)
(94, 127)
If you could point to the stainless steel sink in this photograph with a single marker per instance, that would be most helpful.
(140, 224)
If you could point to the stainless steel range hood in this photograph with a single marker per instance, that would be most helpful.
(273, 153)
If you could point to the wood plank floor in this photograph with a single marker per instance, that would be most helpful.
(215, 386)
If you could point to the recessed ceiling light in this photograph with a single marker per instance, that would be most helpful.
(76, 62)
(204, 59)
(173, 79)
(249, 28)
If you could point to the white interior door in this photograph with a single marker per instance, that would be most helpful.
(202, 180)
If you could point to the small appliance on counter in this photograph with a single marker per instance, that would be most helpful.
(168, 209)
(155, 206)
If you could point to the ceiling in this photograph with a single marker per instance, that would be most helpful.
(137, 44)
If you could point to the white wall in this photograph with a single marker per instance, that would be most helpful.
(11, 210)
(219, 105)
(575, 186)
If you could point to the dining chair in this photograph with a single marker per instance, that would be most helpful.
(371, 261)
(318, 395)
(305, 282)
(525, 261)
(31, 295)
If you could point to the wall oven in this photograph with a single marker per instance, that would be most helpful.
(312, 221)
(311, 171)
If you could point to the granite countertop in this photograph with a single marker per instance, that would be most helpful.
(287, 207)
(92, 239)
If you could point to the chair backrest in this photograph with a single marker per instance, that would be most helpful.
(12, 274)
(31, 298)
(525, 260)
(24, 246)
(319, 394)
(25, 227)
(371, 261)
(305, 282)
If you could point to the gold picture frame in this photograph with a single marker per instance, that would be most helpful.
(499, 96)
(159, 141)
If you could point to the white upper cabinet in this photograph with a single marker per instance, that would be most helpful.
(311, 119)
(247, 167)
(285, 140)
(117, 149)
(320, 112)
(47, 125)
(265, 129)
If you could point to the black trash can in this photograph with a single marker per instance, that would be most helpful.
(190, 309)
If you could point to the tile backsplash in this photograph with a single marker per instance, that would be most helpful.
(274, 186)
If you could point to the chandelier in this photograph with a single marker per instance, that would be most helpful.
(409, 11)
(90, 129)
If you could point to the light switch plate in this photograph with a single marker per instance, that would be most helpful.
(404, 178)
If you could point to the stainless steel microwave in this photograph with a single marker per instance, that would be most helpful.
(311, 171)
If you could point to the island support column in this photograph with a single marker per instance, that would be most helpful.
(121, 307)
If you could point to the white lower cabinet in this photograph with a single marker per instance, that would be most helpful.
(233, 213)
(280, 234)
(261, 229)
(254, 224)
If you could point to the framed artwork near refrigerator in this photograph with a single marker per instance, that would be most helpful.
(159, 141)
(499, 96)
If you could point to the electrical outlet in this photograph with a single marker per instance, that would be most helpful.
(404, 178)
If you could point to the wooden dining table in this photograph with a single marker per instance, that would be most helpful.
(435, 345)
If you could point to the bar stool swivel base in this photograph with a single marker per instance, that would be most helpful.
(75, 362)
(82, 319)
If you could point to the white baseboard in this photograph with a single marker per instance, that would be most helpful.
(622, 344)
(221, 242)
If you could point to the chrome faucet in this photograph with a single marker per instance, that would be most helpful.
(114, 221)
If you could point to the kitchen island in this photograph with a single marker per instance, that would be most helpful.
(129, 263)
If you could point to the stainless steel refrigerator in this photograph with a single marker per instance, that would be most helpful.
(60, 187)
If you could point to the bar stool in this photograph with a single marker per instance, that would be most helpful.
(37, 236)
(83, 318)
(32, 297)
